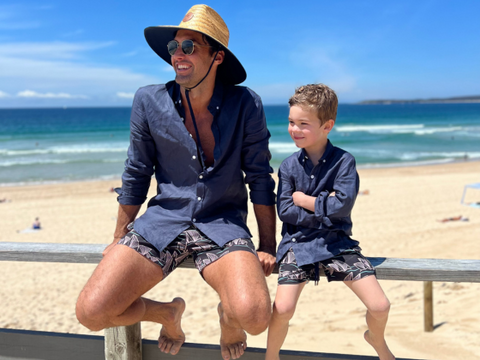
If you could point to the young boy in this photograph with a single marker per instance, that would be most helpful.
(317, 189)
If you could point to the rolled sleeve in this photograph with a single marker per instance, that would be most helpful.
(256, 155)
(346, 185)
(140, 163)
(287, 211)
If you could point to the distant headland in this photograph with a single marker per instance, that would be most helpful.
(451, 100)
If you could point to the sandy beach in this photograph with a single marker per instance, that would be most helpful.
(397, 216)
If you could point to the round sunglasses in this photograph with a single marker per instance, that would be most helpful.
(188, 47)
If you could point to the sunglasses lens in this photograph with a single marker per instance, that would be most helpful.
(172, 47)
(187, 47)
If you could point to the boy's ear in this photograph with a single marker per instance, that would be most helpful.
(329, 125)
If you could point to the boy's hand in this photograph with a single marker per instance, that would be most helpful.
(304, 201)
(298, 197)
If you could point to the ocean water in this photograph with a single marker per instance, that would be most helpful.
(56, 145)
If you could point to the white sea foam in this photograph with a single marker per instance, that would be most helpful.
(416, 129)
(75, 149)
(376, 129)
(38, 161)
(282, 147)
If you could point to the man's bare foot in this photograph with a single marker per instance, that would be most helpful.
(380, 347)
(171, 336)
(233, 341)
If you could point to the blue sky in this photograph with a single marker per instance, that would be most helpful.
(93, 53)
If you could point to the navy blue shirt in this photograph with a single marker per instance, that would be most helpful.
(319, 235)
(213, 199)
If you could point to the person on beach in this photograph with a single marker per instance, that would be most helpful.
(36, 224)
(203, 138)
(318, 186)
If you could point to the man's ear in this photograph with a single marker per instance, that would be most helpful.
(220, 57)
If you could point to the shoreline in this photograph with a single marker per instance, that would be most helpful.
(439, 162)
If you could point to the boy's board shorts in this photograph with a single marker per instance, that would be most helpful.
(349, 265)
(190, 243)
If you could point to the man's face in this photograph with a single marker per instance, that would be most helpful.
(190, 69)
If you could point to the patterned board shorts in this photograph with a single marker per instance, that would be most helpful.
(347, 266)
(190, 243)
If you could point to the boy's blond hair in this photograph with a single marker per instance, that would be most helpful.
(318, 98)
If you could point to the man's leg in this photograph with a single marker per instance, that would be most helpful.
(112, 297)
(244, 299)
(371, 294)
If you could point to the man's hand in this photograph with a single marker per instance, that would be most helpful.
(126, 214)
(266, 220)
(267, 260)
(110, 247)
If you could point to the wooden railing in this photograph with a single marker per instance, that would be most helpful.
(125, 343)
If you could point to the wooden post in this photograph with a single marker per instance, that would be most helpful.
(123, 343)
(428, 305)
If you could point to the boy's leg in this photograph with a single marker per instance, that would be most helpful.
(244, 299)
(371, 294)
(112, 297)
(283, 309)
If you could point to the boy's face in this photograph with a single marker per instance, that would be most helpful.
(306, 130)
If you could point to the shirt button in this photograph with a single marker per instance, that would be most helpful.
(200, 176)
(199, 198)
(194, 220)
(218, 108)
(306, 157)
(324, 160)
(182, 119)
(190, 135)
(194, 157)
(294, 240)
(312, 176)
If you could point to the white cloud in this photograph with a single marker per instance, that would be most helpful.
(10, 16)
(326, 65)
(50, 50)
(168, 68)
(74, 33)
(49, 95)
(4, 94)
(125, 95)
(59, 70)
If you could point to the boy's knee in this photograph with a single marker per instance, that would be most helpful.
(283, 310)
(380, 309)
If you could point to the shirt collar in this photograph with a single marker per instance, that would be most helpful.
(302, 154)
(215, 102)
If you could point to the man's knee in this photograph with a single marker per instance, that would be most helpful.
(253, 313)
(91, 313)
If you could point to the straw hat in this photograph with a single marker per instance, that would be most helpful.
(202, 19)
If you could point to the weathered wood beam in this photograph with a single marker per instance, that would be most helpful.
(39, 345)
(443, 270)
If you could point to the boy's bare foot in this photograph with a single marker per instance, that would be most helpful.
(380, 347)
(233, 341)
(171, 336)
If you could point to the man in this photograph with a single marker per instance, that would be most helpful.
(203, 138)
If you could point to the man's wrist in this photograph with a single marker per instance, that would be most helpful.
(268, 250)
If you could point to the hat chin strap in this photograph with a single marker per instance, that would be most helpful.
(187, 91)
(208, 72)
